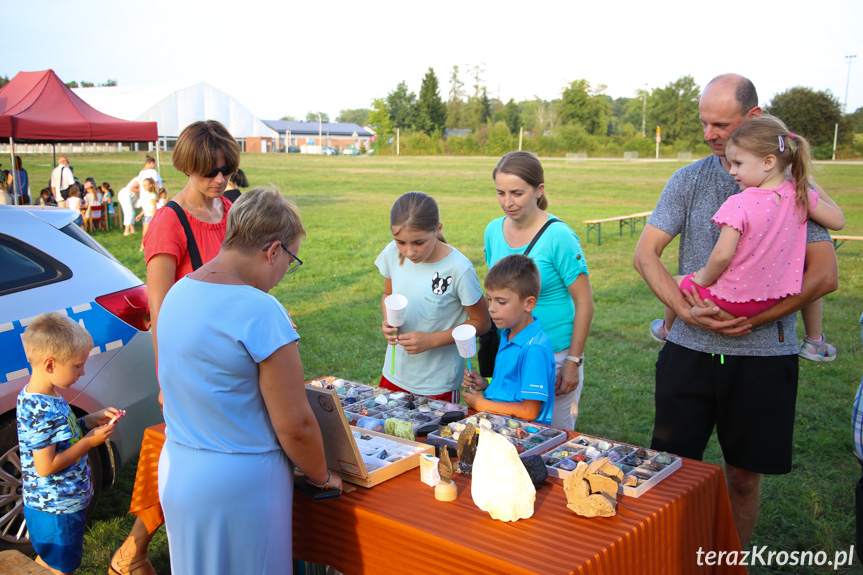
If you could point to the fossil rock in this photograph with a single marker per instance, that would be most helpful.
(467, 444)
(591, 490)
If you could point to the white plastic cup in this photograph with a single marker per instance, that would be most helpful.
(465, 340)
(396, 307)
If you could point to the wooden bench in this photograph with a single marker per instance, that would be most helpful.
(16, 563)
(839, 240)
(631, 220)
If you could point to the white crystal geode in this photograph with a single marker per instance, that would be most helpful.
(500, 484)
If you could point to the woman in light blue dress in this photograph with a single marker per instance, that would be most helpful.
(235, 405)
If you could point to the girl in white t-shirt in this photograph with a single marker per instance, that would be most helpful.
(149, 193)
(73, 202)
(443, 292)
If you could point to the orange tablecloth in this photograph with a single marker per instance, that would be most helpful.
(398, 526)
(145, 495)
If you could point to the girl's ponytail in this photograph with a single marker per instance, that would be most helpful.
(801, 168)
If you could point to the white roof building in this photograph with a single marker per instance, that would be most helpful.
(175, 107)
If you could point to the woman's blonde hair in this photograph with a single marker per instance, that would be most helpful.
(261, 216)
(56, 336)
(768, 135)
(415, 211)
(527, 167)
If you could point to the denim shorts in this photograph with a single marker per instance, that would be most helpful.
(58, 538)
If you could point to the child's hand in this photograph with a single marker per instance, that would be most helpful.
(471, 399)
(473, 381)
(415, 341)
(99, 435)
(390, 332)
(138, 217)
(102, 417)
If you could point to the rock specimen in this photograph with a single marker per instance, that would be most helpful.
(535, 469)
(467, 443)
(591, 490)
(501, 484)
(399, 428)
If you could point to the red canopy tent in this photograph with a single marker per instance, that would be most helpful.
(44, 109)
(39, 107)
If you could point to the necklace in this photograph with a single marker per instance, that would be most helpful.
(209, 271)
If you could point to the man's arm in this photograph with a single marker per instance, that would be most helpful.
(820, 277)
(648, 264)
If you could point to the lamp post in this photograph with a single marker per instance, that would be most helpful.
(848, 81)
(644, 111)
(850, 59)
(320, 134)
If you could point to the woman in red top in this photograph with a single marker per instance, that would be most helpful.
(208, 154)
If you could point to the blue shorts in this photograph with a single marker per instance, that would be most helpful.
(146, 219)
(58, 538)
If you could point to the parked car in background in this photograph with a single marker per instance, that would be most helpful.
(50, 264)
(350, 151)
(329, 151)
(292, 149)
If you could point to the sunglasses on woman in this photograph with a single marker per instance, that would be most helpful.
(224, 170)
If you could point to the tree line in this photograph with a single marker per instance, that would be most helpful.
(583, 119)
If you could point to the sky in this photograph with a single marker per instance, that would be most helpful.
(282, 58)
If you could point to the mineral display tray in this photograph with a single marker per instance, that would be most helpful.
(552, 436)
(354, 458)
(585, 443)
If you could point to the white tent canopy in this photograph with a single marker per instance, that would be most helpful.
(174, 108)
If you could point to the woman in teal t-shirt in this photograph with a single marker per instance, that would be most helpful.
(565, 304)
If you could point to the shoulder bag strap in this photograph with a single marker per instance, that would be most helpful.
(538, 234)
(191, 244)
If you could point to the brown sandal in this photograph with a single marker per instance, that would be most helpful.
(138, 565)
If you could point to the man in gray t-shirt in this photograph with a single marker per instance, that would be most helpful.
(739, 375)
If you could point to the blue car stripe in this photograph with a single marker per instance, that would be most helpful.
(107, 330)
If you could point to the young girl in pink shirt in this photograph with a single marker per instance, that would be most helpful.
(758, 259)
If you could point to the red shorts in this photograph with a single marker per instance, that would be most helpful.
(737, 309)
(450, 396)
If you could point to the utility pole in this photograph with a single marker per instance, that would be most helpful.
(644, 111)
(850, 59)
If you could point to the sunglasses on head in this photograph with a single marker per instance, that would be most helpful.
(224, 170)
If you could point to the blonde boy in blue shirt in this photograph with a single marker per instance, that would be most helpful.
(54, 444)
(522, 384)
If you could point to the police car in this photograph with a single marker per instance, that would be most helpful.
(47, 263)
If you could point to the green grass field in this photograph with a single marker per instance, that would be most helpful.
(335, 301)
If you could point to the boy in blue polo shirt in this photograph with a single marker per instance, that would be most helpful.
(522, 385)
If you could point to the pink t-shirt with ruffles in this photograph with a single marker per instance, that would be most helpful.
(768, 261)
(166, 236)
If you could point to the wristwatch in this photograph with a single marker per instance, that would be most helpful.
(577, 360)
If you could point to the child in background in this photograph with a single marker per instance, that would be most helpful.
(73, 202)
(758, 258)
(46, 198)
(54, 444)
(163, 198)
(108, 202)
(443, 292)
(90, 199)
(149, 193)
(522, 385)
